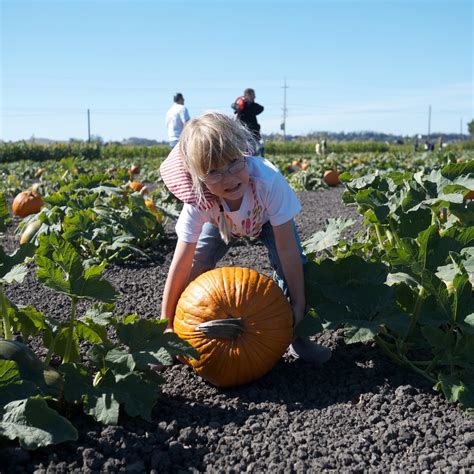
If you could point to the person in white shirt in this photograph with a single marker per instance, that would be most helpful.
(229, 194)
(176, 117)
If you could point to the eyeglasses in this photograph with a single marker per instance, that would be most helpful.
(214, 176)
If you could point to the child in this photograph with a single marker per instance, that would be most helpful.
(227, 194)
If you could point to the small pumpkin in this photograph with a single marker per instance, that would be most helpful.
(150, 205)
(295, 165)
(331, 178)
(238, 320)
(134, 169)
(154, 210)
(304, 165)
(26, 203)
(135, 186)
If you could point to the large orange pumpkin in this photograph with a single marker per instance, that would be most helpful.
(238, 320)
(331, 178)
(26, 203)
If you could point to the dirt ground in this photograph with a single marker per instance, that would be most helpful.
(359, 412)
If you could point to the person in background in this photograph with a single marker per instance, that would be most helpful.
(324, 146)
(176, 118)
(246, 110)
(440, 143)
(229, 194)
(416, 144)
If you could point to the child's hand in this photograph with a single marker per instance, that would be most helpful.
(169, 328)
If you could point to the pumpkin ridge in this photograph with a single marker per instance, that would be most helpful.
(249, 362)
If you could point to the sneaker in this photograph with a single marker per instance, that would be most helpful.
(304, 349)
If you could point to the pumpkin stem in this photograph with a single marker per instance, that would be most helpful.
(222, 328)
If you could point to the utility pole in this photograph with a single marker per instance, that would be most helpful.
(460, 129)
(283, 124)
(89, 125)
(429, 122)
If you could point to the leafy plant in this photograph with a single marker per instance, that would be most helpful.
(117, 371)
(101, 219)
(405, 280)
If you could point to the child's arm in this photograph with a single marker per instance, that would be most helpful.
(177, 280)
(290, 259)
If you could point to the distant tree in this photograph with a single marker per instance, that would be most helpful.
(97, 139)
(470, 127)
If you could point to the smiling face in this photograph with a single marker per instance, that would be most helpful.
(232, 185)
(216, 144)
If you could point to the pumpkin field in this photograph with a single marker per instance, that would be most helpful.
(91, 382)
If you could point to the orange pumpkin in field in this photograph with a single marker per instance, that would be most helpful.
(134, 169)
(26, 203)
(150, 205)
(331, 178)
(135, 186)
(238, 320)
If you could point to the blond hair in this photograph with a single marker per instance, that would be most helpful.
(212, 141)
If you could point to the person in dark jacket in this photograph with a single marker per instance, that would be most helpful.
(246, 110)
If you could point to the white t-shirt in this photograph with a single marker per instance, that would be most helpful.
(268, 198)
(176, 117)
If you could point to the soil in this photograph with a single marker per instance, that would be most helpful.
(359, 412)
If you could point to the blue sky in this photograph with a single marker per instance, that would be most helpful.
(349, 65)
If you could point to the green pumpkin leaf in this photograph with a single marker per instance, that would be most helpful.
(12, 386)
(102, 403)
(137, 394)
(29, 321)
(35, 424)
(8, 262)
(329, 237)
(50, 275)
(77, 382)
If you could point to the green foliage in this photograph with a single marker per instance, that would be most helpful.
(100, 218)
(117, 371)
(34, 423)
(470, 128)
(11, 152)
(302, 147)
(405, 281)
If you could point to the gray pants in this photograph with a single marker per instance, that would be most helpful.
(211, 248)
